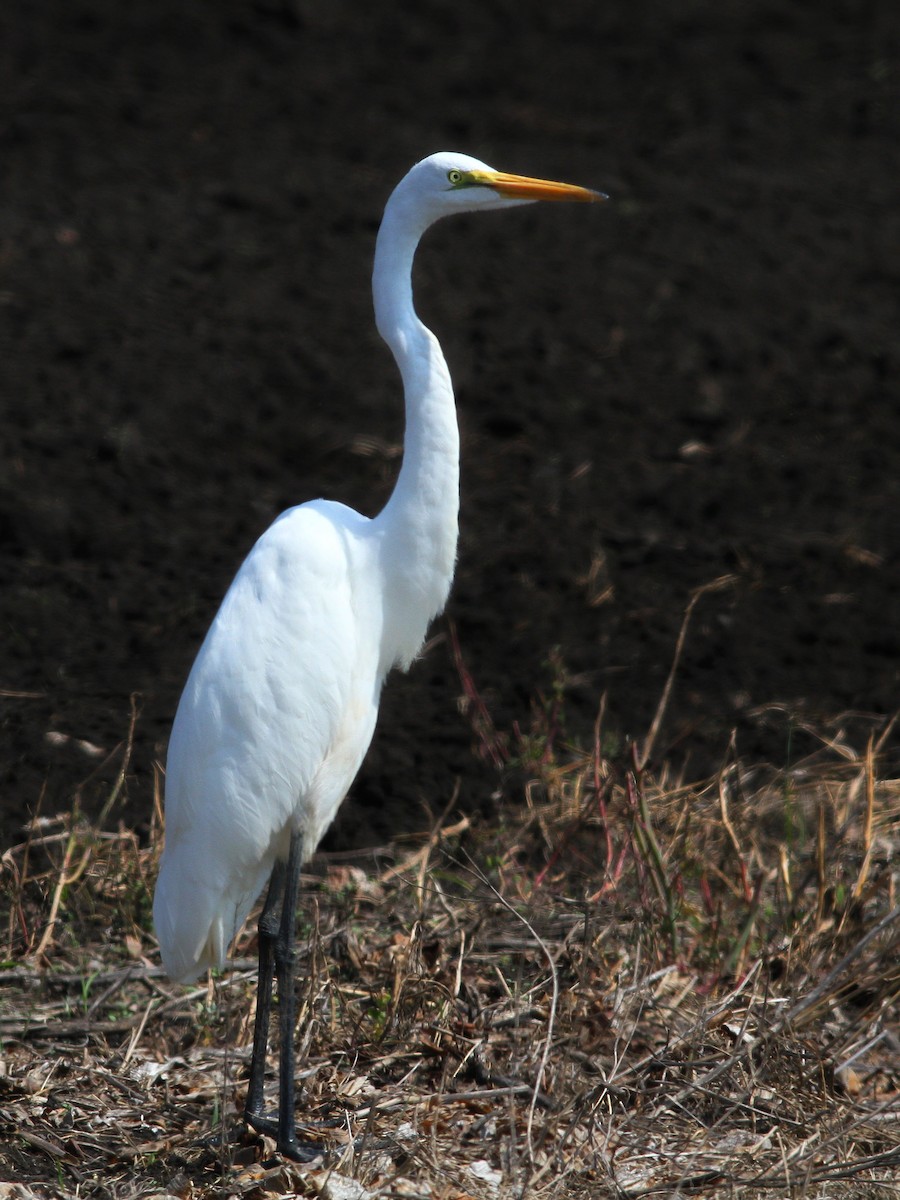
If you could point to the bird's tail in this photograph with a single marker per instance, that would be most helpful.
(196, 917)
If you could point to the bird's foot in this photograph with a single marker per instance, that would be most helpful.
(286, 1140)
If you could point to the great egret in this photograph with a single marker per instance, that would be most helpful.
(281, 702)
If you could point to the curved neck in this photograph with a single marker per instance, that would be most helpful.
(419, 521)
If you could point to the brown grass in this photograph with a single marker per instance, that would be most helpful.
(625, 986)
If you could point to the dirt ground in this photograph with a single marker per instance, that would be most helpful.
(697, 381)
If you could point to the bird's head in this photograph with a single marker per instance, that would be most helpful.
(445, 183)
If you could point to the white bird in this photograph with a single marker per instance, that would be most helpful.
(281, 702)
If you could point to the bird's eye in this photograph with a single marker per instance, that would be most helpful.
(455, 177)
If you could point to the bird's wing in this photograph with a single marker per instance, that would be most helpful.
(275, 718)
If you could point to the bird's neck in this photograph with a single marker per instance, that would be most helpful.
(419, 522)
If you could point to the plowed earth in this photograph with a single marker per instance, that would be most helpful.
(697, 381)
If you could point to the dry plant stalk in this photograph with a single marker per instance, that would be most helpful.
(522, 1026)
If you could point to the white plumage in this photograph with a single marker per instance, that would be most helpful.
(273, 724)
(281, 702)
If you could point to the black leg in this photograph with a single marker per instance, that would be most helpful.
(269, 923)
(287, 1004)
(276, 957)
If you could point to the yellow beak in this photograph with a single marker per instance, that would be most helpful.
(521, 187)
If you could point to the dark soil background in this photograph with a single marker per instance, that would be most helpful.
(699, 379)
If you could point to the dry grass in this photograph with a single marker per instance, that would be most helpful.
(624, 987)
